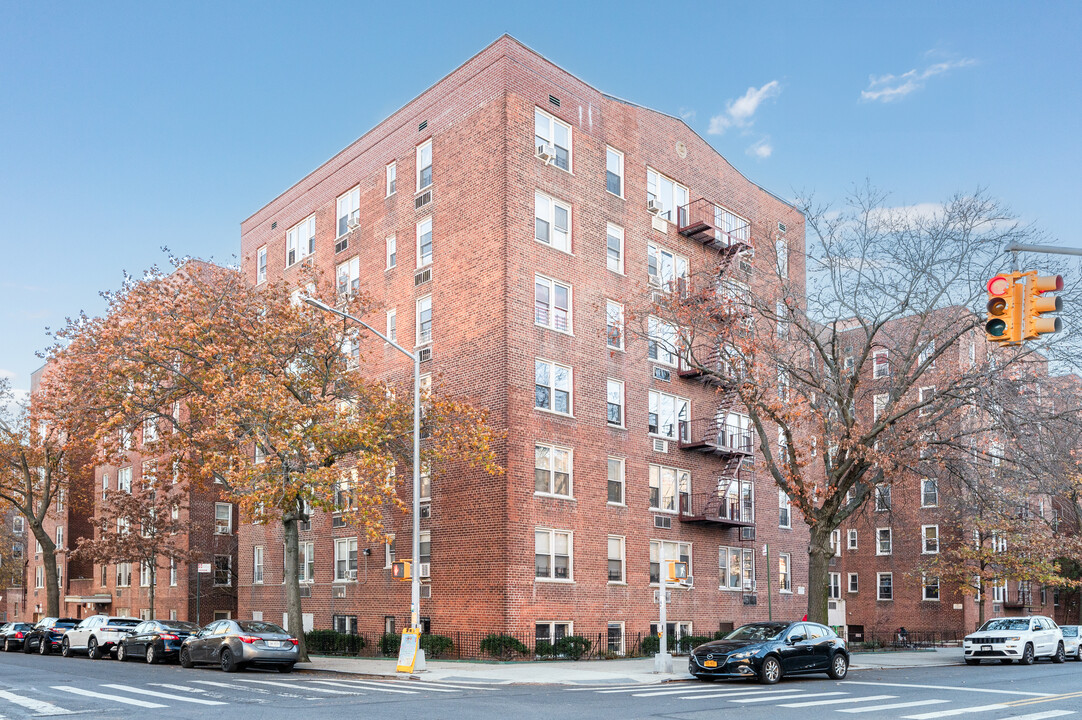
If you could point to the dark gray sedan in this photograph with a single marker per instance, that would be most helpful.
(232, 644)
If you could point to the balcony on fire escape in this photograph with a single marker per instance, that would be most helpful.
(712, 225)
(708, 367)
(715, 435)
(731, 504)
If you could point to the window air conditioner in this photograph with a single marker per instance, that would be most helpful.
(353, 223)
(653, 207)
(661, 446)
(424, 569)
(747, 533)
(545, 154)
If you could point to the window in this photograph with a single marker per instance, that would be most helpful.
(18, 525)
(614, 325)
(668, 415)
(929, 492)
(781, 249)
(785, 573)
(388, 552)
(882, 498)
(880, 364)
(666, 550)
(736, 569)
(424, 242)
(392, 178)
(665, 268)
(834, 585)
(782, 314)
(301, 240)
(616, 559)
(615, 403)
(931, 588)
(785, 510)
(927, 394)
(144, 574)
(257, 565)
(39, 577)
(349, 213)
(223, 570)
(661, 343)
(552, 304)
(614, 248)
(556, 135)
(348, 275)
(424, 320)
(836, 542)
(261, 265)
(424, 165)
(60, 537)
(345, 559)
(123, 479)
(783, 384)
(552, 470)
(105, 486)
(223, 519)
(929, 539)
(668, 195)
(552, 387)
(616, 638)
(551, 632)
(614, 172)
(854, 584)
(173, 572)
(667, 486)
(616, 481)
(879, 405)
(927, 352)
(852, 539)
(883, 541)
(392, 252)
(123, 574)
(392, 325)
(999, 590)
(306, 562)
(885, 586)
(552, 554)
(552, 222)
(425, 477)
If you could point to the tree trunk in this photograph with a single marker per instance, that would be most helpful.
(293, 588)
(153, 582)
(48, 560)
(819, 554)
(980, 605)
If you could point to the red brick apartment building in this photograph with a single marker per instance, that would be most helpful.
(13, 534)
(503, 218)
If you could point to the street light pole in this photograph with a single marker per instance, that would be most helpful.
(415, 580)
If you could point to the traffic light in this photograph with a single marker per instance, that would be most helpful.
(678, 571)
(1037, 304)
(1004, 324)
(400, 570)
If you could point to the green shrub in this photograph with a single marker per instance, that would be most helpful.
(502, 646)
(545, 649)
(331, 642)
(651, 643)
(572, 646)
(436, 645)
(690, 642)
(388, 644)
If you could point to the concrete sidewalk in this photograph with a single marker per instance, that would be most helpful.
(588, 672)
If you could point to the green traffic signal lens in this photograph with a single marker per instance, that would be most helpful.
(995, 328)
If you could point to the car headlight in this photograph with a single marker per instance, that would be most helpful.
(1013, 639)
(742, 655)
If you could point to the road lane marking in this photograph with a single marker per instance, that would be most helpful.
(1050, 698)
(164, 696)
(106, 696)
(383, 684)
(230, 686)
(646, 692)
(38, 706)
(463, 685)
(1041, 715)
(182, 688)
(601, 688)
(893, 706)
(297, 686)
(945, 687)
(377, 688)
(790, 697)
(741, 692)
(956, 711)
(839, 701)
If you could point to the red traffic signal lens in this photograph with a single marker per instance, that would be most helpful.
(999, 285)
(995, 328)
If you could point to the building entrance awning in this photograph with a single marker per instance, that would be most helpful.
(81, 599)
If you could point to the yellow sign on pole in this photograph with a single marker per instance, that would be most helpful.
(407, 650)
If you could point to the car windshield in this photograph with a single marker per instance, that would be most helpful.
(122, 622)
(1069, 631)
(757, 632)
(1005, 624)
(255, 626)
(181, 626)
(65, 623)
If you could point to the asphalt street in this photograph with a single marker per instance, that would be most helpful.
(35, 686)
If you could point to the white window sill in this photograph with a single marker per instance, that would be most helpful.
(610, 426)
(666, 512)
(672, 586)
(615, 349)
(785, 592)
(554, 581)
(553, 247)
(661, 437)
(616, 504)
(553, 412)
(569, 333)
(342, 581)
(554, 496)
(617, 582)
(621, 273)
(930, 600)
(729, 589)
(884, 599)
(882, 554)
(609, 192)
(929, 552)
(785, 527)
(424, 189)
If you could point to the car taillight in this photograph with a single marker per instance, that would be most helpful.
(294, 641)
(248, 639)
(19, 634)
(168, 637)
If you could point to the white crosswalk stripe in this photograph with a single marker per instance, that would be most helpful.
(413, 686)
(39, 706)
(106, 696)
(733, 693)
(1041, 715)
(377, 688)
(298, 686)
(164, 696)
(231, 686)
(956, 711)
(892, 706)
(838, 701)
(801, 696)
(182, 688)
(685, 691)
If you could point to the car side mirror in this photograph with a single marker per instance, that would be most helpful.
(794, 639)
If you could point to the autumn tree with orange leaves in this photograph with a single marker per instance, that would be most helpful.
(265, 395)
(829, 365)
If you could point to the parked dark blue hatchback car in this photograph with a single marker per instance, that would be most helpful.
(770, 650)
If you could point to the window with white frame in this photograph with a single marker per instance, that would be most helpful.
(392, 325)
(392, 178)
(884, 544)
(666, 194)
(785, 572)
(879, 405)
(927, 352)
(614, 325)
(782, 314)
(60, 537)
(348, 275)
(424, 320)
(929, 492)
(424, 165)
(882, 498)
(783, 384)
(257, 565)
(615, 638)
(736, 569)
(552, 554)
(614, 248)
(836, 542)
(39, 577)
(664, 268)
(144, 574)
(301, 240)
(345, 559)
(349, 210)
(551, 632)
(880, 363)
(392, 252)
(147, 476)
(615, 403)
(670, 488)
(552, 222)
(999, 590)
(223, 519)
(614, 171)
(661, 341)
(668, 414)
(555, 134)
(306, 562)
(172, 572)
(854, 583)
(926, 395)
(781, 249)
(552, 304)
(261, 265)
(785, 510)
(852, 539)
(616, 559)
(885, 583)
(834, 585)
(730, 227)
(552, 387)
(389, 551)
(668, 551)
(552, 470)
(123, 574)
(616, 481)
(424, 242)
(424, 548)
(18, 525)
(930, 587)
(123, 479)
(929, 539)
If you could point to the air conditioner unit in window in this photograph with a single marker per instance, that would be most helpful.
(747, 533)
(422, 277)
(749, 586)
(351, 574)
(353, 223)
(663, 521)
(545, 154)
(657, 298)
(423, 199)
(424, 569)
(653, 207)
(426, 511)
(338, 591)
(751, 600)
(306, 591)
(661, 446)
(426, 592)
(424, 354)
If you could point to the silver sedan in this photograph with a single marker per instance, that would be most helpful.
(232, 644)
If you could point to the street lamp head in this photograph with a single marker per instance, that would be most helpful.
(316, 303)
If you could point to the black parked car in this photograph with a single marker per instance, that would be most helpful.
(769, 650)
(47, 634)
(155, 640)
(13, 634)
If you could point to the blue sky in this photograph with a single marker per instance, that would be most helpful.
(126, 127)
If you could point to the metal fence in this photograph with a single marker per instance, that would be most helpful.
(911, 640)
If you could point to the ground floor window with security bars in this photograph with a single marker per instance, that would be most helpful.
(616, 638)
(551, 632)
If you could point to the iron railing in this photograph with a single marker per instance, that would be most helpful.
(716, 434)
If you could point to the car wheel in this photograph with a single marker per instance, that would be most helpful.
(92, 650)
(44, 646)
(152, 655)
(1078, 655)
(1060, 656)
(228, 663)
(285, 668)
(65, 648)
(185, 658)
(26, 646)
(770, 670)
(1027, 655)
(122, 652)
(839, 667)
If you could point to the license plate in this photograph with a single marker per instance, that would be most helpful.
(986, 648)
(274, 643)
(710, 663)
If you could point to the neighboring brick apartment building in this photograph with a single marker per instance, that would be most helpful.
(13, 534)
(504, 265)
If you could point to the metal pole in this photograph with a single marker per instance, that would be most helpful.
(197, 595)
(1048, 249)
(769, 592)
(415, 580)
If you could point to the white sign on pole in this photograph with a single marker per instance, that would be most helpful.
(203, 569)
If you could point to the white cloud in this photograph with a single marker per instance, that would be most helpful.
(888, 88)
(688, 114)
(6, 374)
(762, 149)
(740, 112)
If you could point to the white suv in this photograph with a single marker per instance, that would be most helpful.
(97, 635)
(1016, 638)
